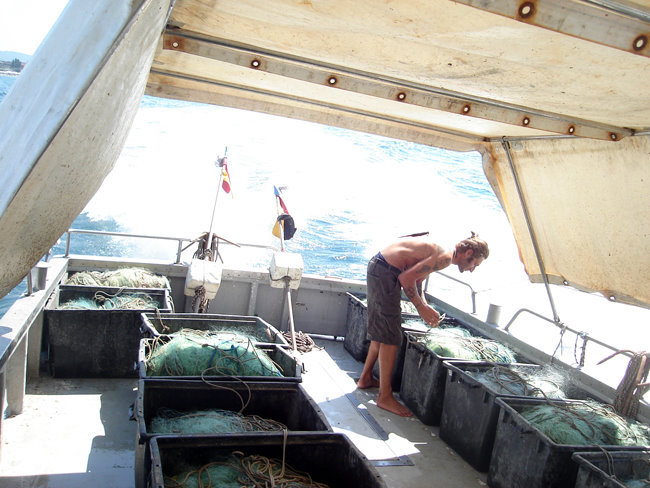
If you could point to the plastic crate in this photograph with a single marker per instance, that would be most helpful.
(284, 402)
(611, 469)
(398, 368)
(357, 327)
(260, 331)
(424, 377)
(524, 457)
(289, 366)
(95, 343)
(469, 413)
(329, 458)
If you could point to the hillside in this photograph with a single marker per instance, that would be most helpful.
(11, 55)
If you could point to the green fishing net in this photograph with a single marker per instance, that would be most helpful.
(213, 421)
(248, 331)
(632, 483)
(121, 278)
(586, 423)
(522, 381)
(237, 471)
(197, 353)
(457, 342)
(119, 301)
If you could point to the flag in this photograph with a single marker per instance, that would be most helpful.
(277, 194)
(225, 182)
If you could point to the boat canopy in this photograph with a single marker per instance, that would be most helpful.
(554, 94)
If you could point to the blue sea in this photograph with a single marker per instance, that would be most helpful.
(350, 194)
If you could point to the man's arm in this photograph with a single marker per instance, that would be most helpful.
(415, 275)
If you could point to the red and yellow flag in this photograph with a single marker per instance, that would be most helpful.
(225, 182)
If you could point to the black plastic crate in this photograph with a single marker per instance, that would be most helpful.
(524, 457)
(424, 377)
(355, 341)
(95, 343)
(260, 331)
(469, 414)
(283, 402)
(289, 366)
(611, 469)
(329, 458)
(398, 368)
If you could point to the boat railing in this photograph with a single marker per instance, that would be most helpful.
(180, 240)
(472, 291)
(580, 335)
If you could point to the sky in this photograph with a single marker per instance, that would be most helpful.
(24, 23)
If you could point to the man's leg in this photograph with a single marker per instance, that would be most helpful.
(386, 400)
(367, 380)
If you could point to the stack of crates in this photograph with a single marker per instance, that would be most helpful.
(469, 413)
(308, 444)
(523, 456)
(424, 376)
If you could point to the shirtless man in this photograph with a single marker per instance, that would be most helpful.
(405, 265)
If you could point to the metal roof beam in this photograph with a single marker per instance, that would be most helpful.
(610, 23)
(401, 91)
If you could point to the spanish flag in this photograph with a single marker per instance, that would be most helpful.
(225, 182)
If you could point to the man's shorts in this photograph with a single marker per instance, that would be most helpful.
(384, 295)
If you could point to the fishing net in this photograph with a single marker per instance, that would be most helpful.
(213, 421)
(198, 353)
(457, 342)
(632, 483)
(121, 278)
(237, 471)
(586, 423)
(247, 331)
(106, 301)
(520, 381)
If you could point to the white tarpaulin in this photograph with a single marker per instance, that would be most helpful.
(589, 207)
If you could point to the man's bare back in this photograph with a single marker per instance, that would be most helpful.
(406, 253)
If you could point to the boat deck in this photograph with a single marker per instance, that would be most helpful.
(78, 432)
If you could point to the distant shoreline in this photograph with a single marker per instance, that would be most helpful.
(9, 73)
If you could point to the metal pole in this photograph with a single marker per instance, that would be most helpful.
(540, 261)
(290, 309)
(214, 208)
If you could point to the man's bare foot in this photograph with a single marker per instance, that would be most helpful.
(392, 405)
(362, 384)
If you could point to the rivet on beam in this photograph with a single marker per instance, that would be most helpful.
(572, 129)
(401, 96)
(640, 42)
(466, 109)
(332, 80)
(526, 10)
(255, 63)
(526, 121)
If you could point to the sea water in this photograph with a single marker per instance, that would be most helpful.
(350, 194)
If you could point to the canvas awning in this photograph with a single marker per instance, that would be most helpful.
(566, 82)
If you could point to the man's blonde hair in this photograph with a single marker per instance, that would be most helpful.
(479, 246)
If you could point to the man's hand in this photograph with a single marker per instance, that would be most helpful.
(429, 315)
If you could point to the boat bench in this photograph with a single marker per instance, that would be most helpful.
(20, 341)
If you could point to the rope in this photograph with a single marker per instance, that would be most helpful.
(304, 343)
(199, 296)
(633, 385)
(250, 471)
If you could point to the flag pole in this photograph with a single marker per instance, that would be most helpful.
(219, 164)
(292, 327)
